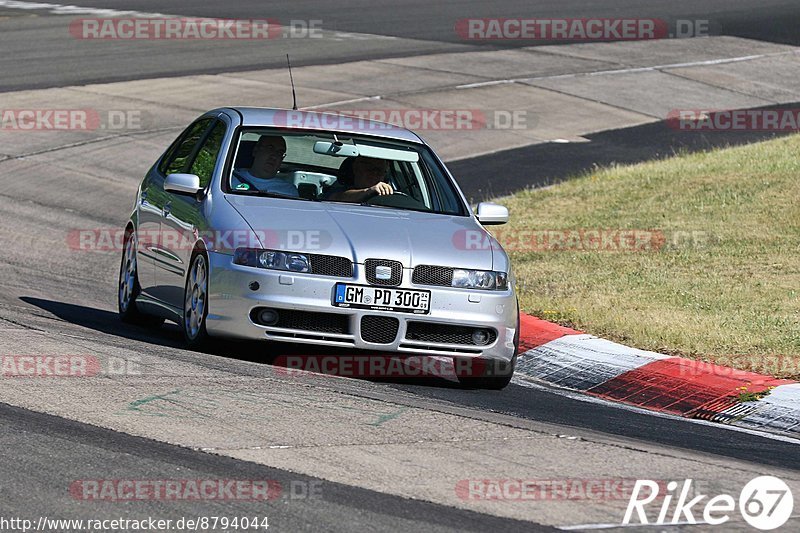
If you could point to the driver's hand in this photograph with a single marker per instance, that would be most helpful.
(381, 189)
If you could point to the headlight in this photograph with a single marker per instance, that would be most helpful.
(272, 259)
(480, 279)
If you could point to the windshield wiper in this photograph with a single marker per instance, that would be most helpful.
(256, 192)
(414, 209)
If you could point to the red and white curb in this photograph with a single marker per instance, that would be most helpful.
(573, 360)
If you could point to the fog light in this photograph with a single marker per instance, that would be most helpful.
(268, 317)
(480, 337)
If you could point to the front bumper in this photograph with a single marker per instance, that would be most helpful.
(231, 301)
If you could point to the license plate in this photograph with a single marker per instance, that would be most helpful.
(382, 298)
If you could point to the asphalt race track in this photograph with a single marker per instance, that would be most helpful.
(74, 449)
(39, 53)
(385, 455)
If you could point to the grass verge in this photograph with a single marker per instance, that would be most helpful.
(697, 255)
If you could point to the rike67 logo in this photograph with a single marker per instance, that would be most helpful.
(765, 503)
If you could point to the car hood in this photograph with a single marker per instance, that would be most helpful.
(363, 232)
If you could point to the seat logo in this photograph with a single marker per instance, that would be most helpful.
(383, 272)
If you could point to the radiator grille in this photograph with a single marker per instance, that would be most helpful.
(330, 265)
(433, 275)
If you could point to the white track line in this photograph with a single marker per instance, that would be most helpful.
(664, 527)
(490, 83)
(582, 527)
(632, 70)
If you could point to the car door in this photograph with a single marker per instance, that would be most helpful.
(183, 217)
(148, 227)
(176, 161)
(152, 199)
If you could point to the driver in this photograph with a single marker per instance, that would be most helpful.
(360, 179)
(268, 154)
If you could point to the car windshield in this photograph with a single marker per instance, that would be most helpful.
(324, 167)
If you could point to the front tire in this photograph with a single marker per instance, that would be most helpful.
(195, 303)
(128, 287)
(495, 375)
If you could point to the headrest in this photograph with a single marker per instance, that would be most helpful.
(345, 175)
(244, 158)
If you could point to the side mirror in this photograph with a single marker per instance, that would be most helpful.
(492, 214)
(183, 184)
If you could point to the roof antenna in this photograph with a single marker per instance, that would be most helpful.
(294, 95)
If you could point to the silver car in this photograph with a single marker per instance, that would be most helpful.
(321, 229)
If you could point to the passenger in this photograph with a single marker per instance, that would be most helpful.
(360, 179)
(268, 154)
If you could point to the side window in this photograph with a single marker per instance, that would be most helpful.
(445, 201)
(177, 159)
(410, 181)
(206, 160)
(162, 165)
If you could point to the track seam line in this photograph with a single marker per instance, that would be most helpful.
(716, 86)
(83, 89)
(498, 81)
(668, 66)
(363, 444)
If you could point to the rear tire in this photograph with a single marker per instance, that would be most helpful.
(128, 287)
(195, 303)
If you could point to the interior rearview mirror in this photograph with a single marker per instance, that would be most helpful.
(335, 149)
